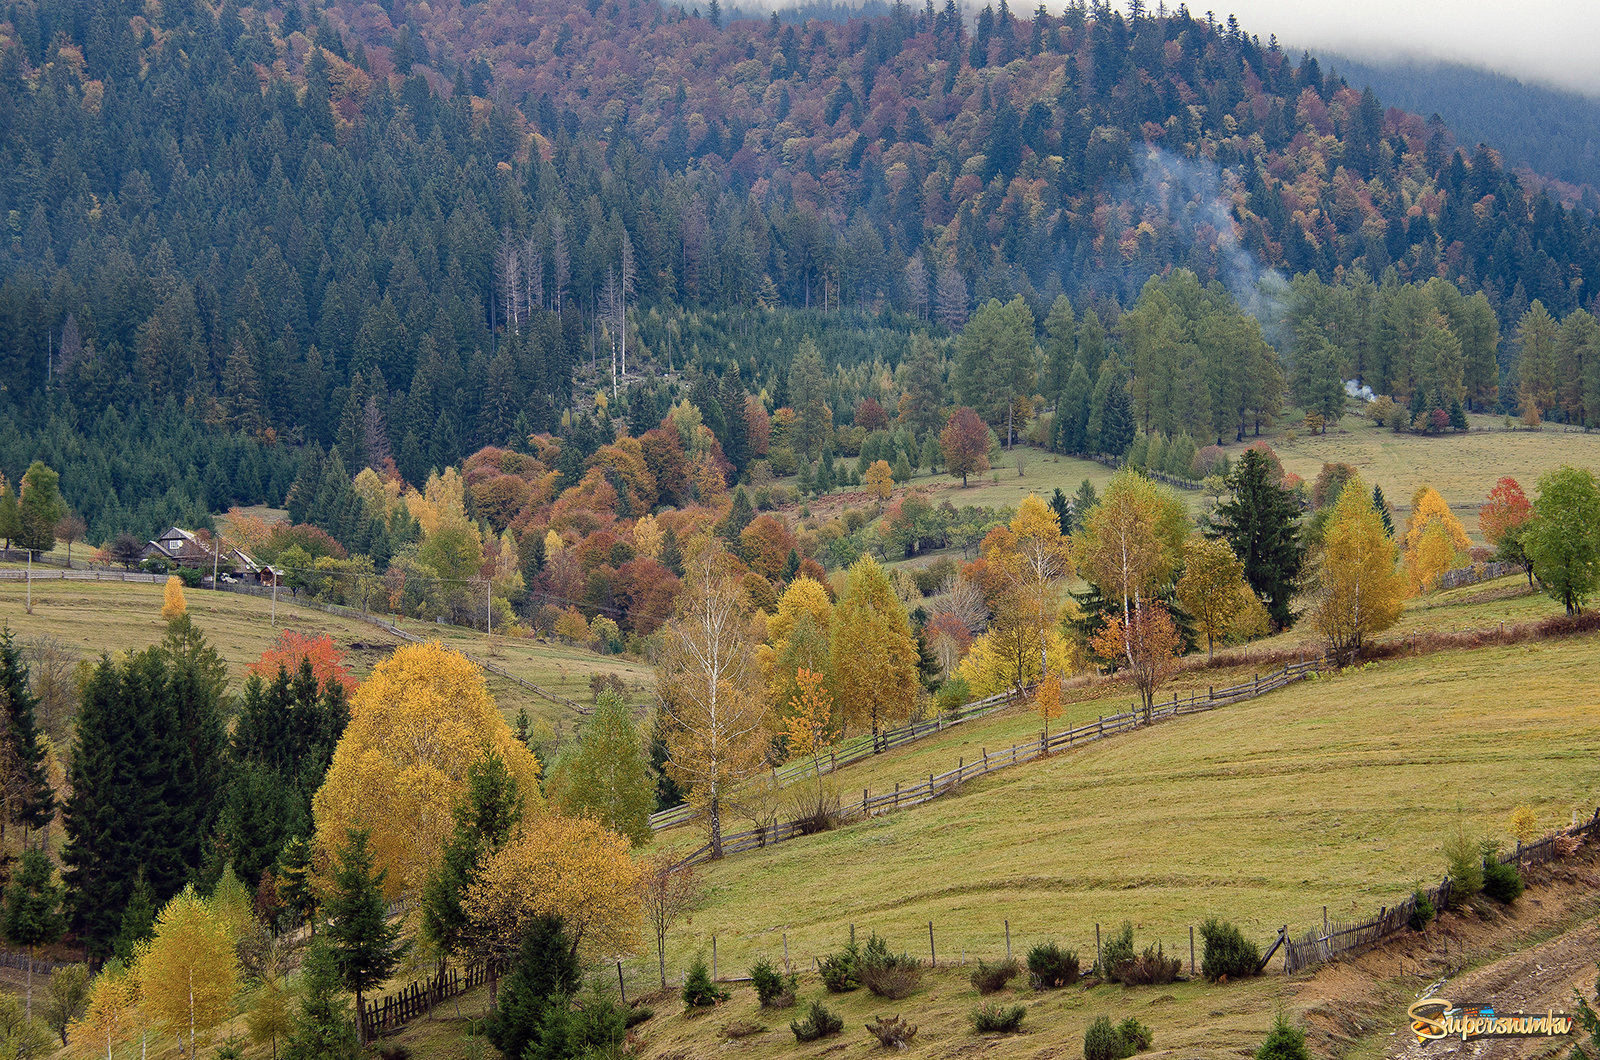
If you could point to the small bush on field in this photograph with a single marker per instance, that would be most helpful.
(885, 974)
(1151, 968)
(819, 1023)
(1228, 953)
(1136, 1035)
(840, 971)
(1284, 1042)
(992, 1018)
(1464, 863)
(741, 1029)
(1501, 882)
(775, 989)
(1118, 949)
(991, 977)
(698, 989)
(1422, 911)
(1050, 966)
(893, 1032)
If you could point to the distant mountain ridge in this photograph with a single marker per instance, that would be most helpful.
(1555, 132)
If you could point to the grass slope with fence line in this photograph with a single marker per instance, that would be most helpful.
(1333, 792)
(88, 618)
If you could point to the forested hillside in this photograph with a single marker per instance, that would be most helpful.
(1555, 132)
(416, 232)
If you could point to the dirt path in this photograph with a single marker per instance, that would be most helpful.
(1528, 958)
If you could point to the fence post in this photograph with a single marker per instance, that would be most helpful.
(622, 989)
(713, 958)
(1008, 940)
(1101, 971)
(933, 958)
(1191, 949)
(897, 794)
(785, 951)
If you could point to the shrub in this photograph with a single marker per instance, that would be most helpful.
(886, 974)
(1151, 968)
(841, 971)
(698, 989)
(1501, 882)
(1421, 911)
(775, 989)
(1117, 949)
(1102, 1041)
(991, 977)
(1284, 1042)
(1050, 966)
(819, 1023)
(1228, 953)
(992, 1018)
(741, 1029)
(893, 1032)
(1464, 862)
(1135, 1035)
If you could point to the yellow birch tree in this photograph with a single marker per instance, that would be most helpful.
(1212, 588)
(416, 724)
(1033, 558)
(711, 689)
(1131, 543)
(108, 1017)
(189, 974)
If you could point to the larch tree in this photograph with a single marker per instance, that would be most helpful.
(874, 653)
(964, 441)
(1563, 539)
(605, 774)
(173, 605)
(1359, 591)
(190, 971)
(571, 868)
(711, 690)
(269, 1017)
(417, 724)
(1212, 587)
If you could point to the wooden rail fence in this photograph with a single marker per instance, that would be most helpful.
(937, 784)
(1340, 938)
(389, 1014)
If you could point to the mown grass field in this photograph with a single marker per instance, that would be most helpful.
(94, 617)
(1334, 792)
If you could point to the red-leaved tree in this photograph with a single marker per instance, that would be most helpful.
(292, 648)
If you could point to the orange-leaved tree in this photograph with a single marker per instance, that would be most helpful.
(1435, 540)
(1359, 591)
(711, 689)
(1147, 641)
(965, 444)
(809, 727)
(293, 647)
(417, 723)
(1504, 514)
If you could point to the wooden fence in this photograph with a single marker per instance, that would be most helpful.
(389, 1014)
(20, 961)
(1478, 572)
(82, 575)
(937, 784)
(1338, 939)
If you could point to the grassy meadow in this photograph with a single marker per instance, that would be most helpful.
(1334, 792)
(88, 618)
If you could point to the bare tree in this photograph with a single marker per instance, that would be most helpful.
(533, 270)
(508, 266)
(667, 891)
(51, 665)
(610, 298)
(951, 300)
(375, 435)
(627, 284)
(561, 261)
(917, 283)
(71, 529)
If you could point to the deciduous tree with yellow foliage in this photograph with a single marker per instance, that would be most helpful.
(797, 638)
(1032, 558)
(809, 727)
(1435, 540)
(874, 654)
(109, 1019)
(1212, 588)
(1359, 591)
(711, 690)
(879, 480)
(173, 605)
(1131, 543)
(416, 725)
(572, 868)
(189, 972)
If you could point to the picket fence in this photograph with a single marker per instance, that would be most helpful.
(937, 784)
(389, 1014)
(1339, 939)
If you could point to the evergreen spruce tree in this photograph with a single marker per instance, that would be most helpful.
(484, 820)
(1381, 505)
(322, 1027)
(366, 948)
(1072, 412)
(138, 920)
(1261, 523)
(33, 802)
(33, 909)
(545, 977)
